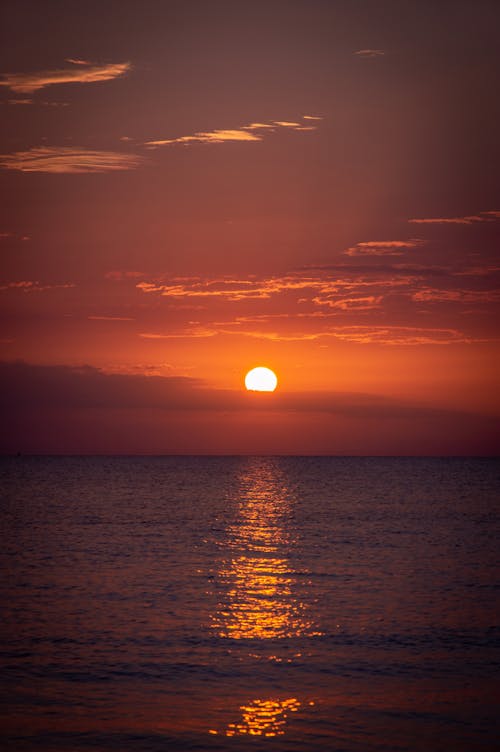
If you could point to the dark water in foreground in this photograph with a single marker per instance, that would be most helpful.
(295, 604)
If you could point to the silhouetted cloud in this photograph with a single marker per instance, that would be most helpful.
(80, 72)
(27, 385)
(69, 159)
(63, 409)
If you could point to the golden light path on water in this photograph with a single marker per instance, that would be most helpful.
(260, 599)
(264, 717)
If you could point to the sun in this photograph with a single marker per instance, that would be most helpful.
(261, 379)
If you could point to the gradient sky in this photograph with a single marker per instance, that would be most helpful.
(190, 189)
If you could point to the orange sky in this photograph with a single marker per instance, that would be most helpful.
(189, 192)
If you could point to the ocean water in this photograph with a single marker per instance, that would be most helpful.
(249, 603)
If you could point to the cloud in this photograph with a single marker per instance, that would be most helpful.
(369, 53)
(33, 286)
(20, 101)
(434, 295)
(483, 216)
(69, 159)
(191, 333)
(209, 137)
(388, 301)
(31, 386)
(14, 236)
(312, 287)
(382, 247)
(392, 336)
(367, 303)
(110, 318)
(253, 132)
(258, 127)
(361, 334)
(71, 410)
(80, 72)
(77, 61)
(122, 274)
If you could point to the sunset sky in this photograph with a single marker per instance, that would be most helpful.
(191, 189)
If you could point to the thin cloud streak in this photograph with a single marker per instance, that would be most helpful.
(110, 318)
(456, 296)
(33, 286)
(253, 132)
(383, 247)
(483, 216)
(69, 159)
(81, 73)
(209, 137)
(369, 53)
(360, 334)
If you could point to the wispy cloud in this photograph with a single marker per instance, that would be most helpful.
(253, 132)
(209, 137)
(366, 303)
(79, 72)
(399, 335)
(33, 286)
(315, 303)
(73, 159)
(197, 332)
(77, 61)
(483, 216)
(360, 334)
(121, 274)
(287, 124)
(20, 101)
(33, 102)
(429, 294)
(382, 247)
(13, 236)
(369, 53)
(110, 318)
(319, 287)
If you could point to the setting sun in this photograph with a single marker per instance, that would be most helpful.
(261, 379)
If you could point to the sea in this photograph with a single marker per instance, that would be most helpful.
(286, 604)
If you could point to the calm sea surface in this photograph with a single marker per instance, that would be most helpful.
(249, 603)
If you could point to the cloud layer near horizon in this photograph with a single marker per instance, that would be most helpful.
(28, 386)
(72, 398)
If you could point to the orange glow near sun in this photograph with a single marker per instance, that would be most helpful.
(261, 379)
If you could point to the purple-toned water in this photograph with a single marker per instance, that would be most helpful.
(249, 603)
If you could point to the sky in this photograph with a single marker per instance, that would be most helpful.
(192, 189)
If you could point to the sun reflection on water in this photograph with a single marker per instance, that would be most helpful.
(259, 597)
(264, 717)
